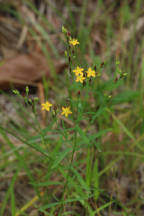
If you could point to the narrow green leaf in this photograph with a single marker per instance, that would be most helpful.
(59, 157)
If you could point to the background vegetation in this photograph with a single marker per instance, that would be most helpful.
(90, 163)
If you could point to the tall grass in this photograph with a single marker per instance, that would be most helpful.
(72, 161)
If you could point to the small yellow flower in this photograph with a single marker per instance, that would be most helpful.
(46, 106)
(66, 111)
(80, 78)
(78, 71)
(73, 42)
(90, 72)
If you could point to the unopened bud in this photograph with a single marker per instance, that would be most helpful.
(27, 90)
(36, 99)
(102, 64)
(68, 34)
(117, 62)
(116, 79)
(65, 53)
(69, 59)
(78, 93)
(16, 92)
(55, 108)
(64, 30)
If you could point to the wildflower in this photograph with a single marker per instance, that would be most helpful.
(66, 111)
(78, 71)
(73, 42)
(46, 106)
(80, 78)
(90, 72)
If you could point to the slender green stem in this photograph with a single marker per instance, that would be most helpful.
(69, 170)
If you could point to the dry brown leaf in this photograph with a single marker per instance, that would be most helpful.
(119, 188)
(26, 70)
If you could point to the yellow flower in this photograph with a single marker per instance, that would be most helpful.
(90, 72)
(73, 42)
(46, 106)
(80, 78)
(78, 71)
(66, 111)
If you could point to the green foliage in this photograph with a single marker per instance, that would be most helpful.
(70, 162)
